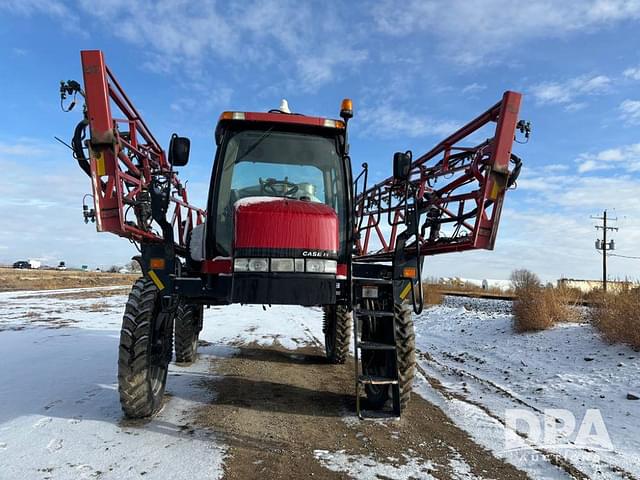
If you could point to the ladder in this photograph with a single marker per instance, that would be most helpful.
(376, 360)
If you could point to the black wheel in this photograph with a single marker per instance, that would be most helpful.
(406, 350)
(188, 323)
(337, 333)
(145, 351)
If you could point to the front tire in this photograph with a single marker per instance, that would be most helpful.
(405, 350)
(188, 324)
(145, 352)
(337, 333)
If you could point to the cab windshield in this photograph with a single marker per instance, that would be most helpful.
(278, 164)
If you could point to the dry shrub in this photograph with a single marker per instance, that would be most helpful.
(562, 303)
(538, 308)
(617, 316)
(432, 294)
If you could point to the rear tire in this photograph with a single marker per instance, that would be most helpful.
(187, 329)
(144, 356)
(337, 333)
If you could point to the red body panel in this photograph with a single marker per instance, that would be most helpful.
(279, 223)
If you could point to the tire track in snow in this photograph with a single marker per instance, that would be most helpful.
(552, 458)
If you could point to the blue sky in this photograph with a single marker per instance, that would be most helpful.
(414, 72)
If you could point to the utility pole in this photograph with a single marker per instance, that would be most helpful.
(604, 246)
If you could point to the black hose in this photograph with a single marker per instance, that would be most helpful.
(515, 173)
(78, 150)
(418, 306)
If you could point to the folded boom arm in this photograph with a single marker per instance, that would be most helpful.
(126, 163)
(454, 191)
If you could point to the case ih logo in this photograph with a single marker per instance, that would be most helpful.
(317, 253)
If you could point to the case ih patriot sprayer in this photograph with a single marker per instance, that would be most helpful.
(285, 223)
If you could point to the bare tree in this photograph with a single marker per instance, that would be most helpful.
(133, 266)
(523, 278)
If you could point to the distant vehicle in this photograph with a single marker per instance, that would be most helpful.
(21, 264)
(61, 266)
(35, 263)
(124, 270)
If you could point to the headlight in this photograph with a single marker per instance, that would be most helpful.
(316, 265)
(258, 264)
(241, 265)
(310, 265)
(282, 264)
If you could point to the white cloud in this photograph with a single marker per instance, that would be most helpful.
(29, 7)
(630, 111)
(387, 121)
(625, 159)
(556, 167)
(189, 38)
(567, 91)
(554, 217)
(632, 73)
(22, 147)
(469, 32)
(474, 88)
(194, 38)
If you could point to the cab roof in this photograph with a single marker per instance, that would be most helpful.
(278, 117)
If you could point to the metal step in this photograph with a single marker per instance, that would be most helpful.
(376, 380)
(375, 346)
(372, 281)
(372, 313)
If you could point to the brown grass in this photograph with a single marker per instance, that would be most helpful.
(432, 294)
(16, 279)
(539, 308)
(617, 316)
(466, 287)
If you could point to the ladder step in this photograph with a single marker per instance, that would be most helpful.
(365, 280)
(375, 346)
(376, 380)
(373, 313)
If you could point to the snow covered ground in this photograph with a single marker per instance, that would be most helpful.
(60, 417)
(59, 412)
(485, 370)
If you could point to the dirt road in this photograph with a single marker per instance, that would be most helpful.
(282, 412)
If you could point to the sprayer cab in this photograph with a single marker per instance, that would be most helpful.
(278, 210)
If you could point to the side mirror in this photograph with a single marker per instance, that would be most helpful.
(402, 165)
(179, 150)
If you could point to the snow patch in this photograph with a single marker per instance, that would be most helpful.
(366, 467)
(471, 349)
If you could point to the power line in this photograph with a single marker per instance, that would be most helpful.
(622, 256)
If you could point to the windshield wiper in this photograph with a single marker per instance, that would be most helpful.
(254, 145)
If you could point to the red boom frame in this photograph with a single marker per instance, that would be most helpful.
(470, 200)
(124, 156)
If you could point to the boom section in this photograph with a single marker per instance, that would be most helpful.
(453, 195)
(126, 163)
